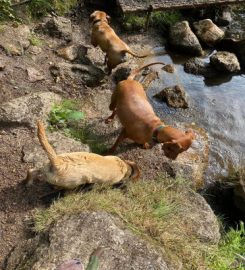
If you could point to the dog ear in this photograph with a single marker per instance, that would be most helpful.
(135, 170)
(92, 16)
(172, 149)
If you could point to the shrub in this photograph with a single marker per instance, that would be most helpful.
(6, 11)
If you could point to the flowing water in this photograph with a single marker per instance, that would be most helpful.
(217, 105)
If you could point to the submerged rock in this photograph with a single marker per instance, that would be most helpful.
(184, 40)
(208, 32)
(198, 67)
(78, 236)
(225, 61)
(175, 97)
(26, 110)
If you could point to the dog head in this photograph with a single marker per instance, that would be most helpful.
(133, 172)
(176, 146)
(99, 16)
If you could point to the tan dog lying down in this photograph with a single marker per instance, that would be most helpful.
(105, 37)
(70, 170)
(139, 121)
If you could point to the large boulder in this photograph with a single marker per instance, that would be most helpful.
(235, 46)
(26, 110)
(208, 32)
(89, 74)
(175, 96)
(225, 61)
(72, 52)
(78, 236)
(184, 40)
(59, 27)
(14, 40)
(197, 66)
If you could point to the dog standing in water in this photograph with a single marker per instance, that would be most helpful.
(140, 122)
(70, 170)
(104, 36)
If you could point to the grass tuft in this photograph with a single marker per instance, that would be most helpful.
(35, 41)
(67, 118)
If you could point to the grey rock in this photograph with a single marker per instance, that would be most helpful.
(35, 50)
(14, 40)
(34, 153)
(59, 27)
(2, 66)
(184, 40)
(225, 61)
(198, 67)
(73, 52)
(175, 97)
(89, 74)
(208, 32)
(225, 17)
(78, 236)
(28, 109)
(34, 75)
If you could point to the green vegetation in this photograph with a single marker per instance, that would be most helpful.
(159, 211)
(39, 8)
(63, 6)
(67, 117)
(6, 11)
(160, 20)
(35, 41)
(230, 253)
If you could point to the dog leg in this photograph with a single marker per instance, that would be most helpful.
(111, 117)
(31, 175)
(119, 140)
(146, 146)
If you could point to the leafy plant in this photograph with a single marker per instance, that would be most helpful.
(39, 8)
(6, 10)
(230, 252)
(35, 41)
(64, 113)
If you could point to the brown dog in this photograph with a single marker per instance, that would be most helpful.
(71, 170)
(105, 37)
(139, 121)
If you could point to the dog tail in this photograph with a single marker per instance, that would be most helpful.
(136, 71)
(44, 142)
(135, 170)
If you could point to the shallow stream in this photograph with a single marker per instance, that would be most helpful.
(217, 105)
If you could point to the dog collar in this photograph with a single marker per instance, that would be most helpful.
(155, 133)
(99, 20)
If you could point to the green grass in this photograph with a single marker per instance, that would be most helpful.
(64, 6)
(155, 210)
(230, 253)
(67, 118)
(35, 41)
(6, 11)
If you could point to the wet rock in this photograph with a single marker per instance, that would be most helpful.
(78, 236)
(72, 52)
(34, 75)
(89, 74)
(34, 153)
(121, 74)
(175, 97)
(14, 40)
(26, 110)
(198, 67)
(208, 32)
(59, 27)
(169, 68)
(225, 61)
(184, 40)
(235, 46)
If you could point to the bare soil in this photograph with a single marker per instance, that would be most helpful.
(16, 201)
